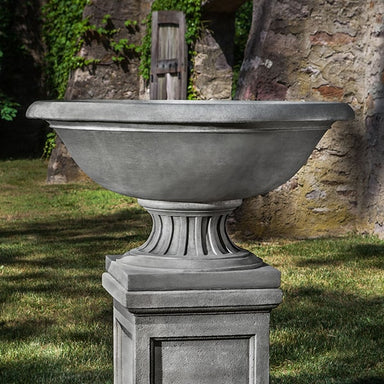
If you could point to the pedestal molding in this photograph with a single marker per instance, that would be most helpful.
(225, 300)
(190, 237)
(144, 279)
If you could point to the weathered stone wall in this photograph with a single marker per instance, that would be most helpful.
(328, 50)
(212, 76)
(214, 60)
(107, 79)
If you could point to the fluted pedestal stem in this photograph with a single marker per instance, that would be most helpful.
(190, 237)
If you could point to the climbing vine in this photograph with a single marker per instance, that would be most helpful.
(63, 28)
(65, 31)
(62, 33)
(122, 49)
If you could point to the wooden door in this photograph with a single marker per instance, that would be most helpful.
(168, 56)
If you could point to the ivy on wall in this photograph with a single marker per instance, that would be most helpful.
(65, 31)
(62, 33)
(63, 28)
(121, 50)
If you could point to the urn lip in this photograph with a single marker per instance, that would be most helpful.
(189, 111)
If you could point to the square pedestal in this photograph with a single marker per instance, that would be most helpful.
(210, 336)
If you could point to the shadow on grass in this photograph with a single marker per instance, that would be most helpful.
(52, 330)
(51, 295)
(316, 379)
(337, 252)
(328, 337)
(58, 240)
(369, 380)
(65, 257)
(51, 370)
(23, 329)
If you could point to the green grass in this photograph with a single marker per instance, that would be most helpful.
(56, 319)
(330, 327)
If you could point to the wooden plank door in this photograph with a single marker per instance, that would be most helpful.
(168, 56)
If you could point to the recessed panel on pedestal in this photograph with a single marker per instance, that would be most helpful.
(220, 360)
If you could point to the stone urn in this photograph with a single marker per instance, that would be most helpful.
(190, 306)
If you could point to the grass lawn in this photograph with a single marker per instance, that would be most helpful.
(56, 319)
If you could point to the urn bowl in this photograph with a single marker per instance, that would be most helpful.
(190, 151)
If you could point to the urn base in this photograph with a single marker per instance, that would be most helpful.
(189, 237)
(189, 248)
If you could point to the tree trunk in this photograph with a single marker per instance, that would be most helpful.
(253, 78)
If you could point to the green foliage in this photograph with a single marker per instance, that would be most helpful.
(106, 33)
(65, 31)
(50, 144)
(192, 93)
(9, 47)
(243, 22)
(62, 31)
(192, 11)
(8, 108)
(131, 23)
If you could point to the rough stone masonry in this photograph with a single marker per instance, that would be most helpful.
(328, 50)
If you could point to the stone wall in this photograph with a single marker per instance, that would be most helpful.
(107, 79)
(212, 76)
(328, 50)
